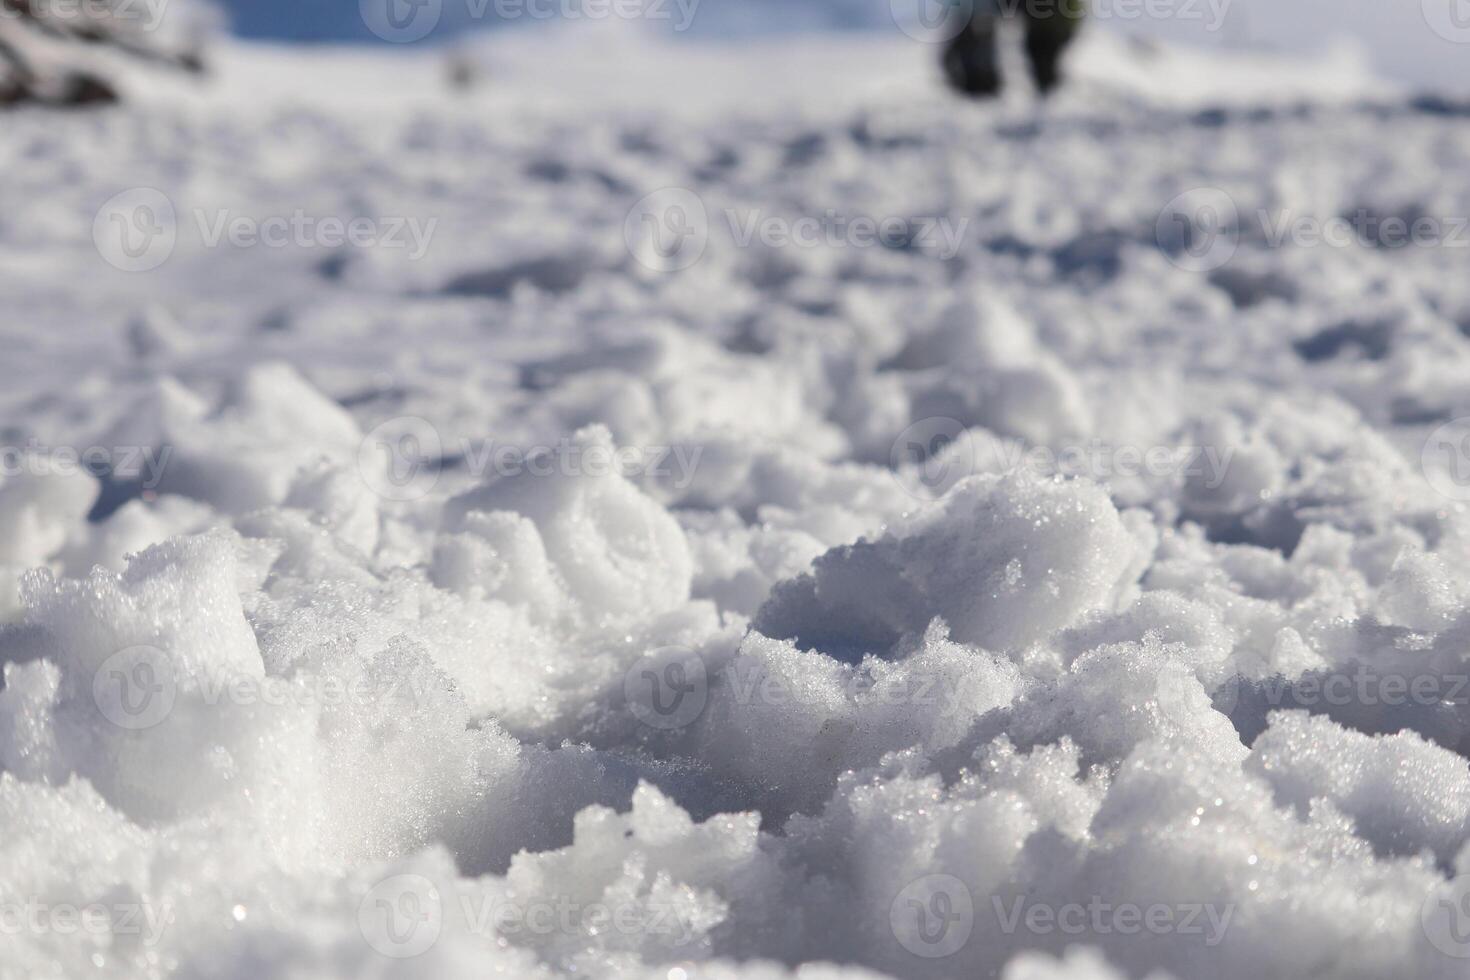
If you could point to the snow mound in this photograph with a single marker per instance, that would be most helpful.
(1004, 561)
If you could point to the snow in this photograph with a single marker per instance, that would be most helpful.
(501, 592)
(1004, 561)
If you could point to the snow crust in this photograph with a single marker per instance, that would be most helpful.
(304, 684)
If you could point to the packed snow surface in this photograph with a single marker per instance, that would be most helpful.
(689, 514)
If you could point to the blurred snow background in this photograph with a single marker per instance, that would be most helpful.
(1393, 34)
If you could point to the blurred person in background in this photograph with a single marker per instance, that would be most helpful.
(972, 59)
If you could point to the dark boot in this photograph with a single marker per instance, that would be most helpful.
(81, 88)
(1047, 36)
(970, 61)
